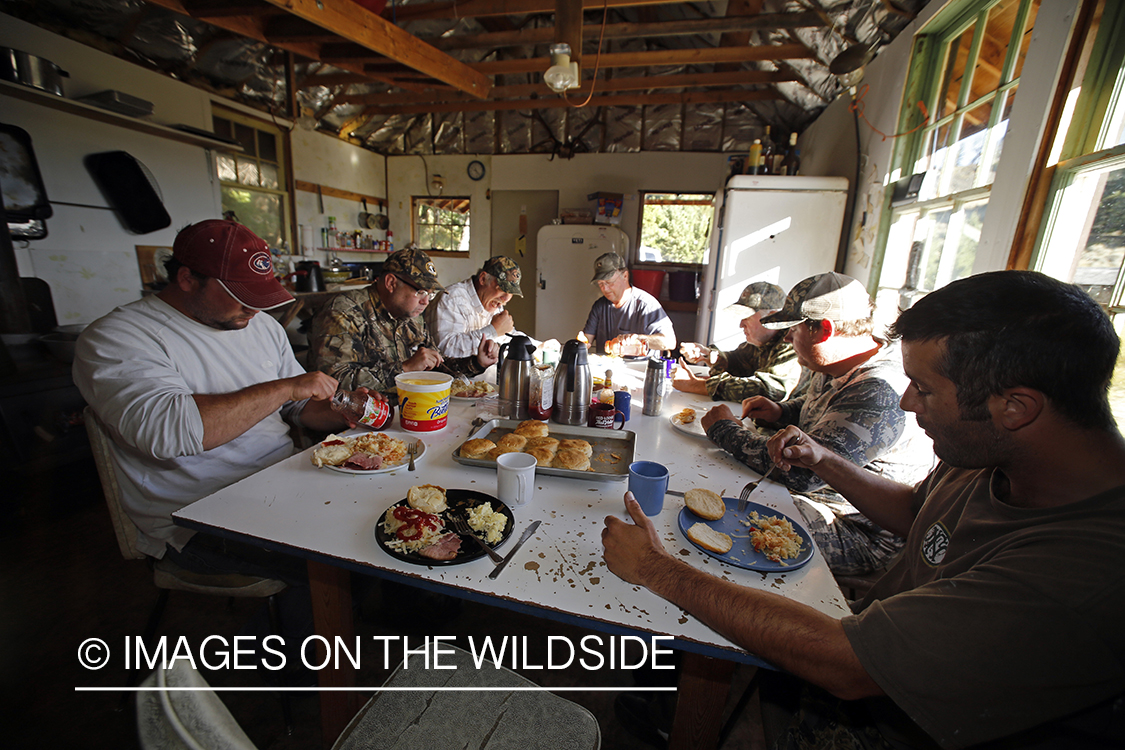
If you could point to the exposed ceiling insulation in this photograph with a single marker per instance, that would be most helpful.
(466, 77)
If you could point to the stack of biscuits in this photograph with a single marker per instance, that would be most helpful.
(532, 437)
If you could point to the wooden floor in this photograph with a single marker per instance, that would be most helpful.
(62, 580)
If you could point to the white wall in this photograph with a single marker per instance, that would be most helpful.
(573, 178)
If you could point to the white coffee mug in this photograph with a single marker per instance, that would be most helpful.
(515, 478)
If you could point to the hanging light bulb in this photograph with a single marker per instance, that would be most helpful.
(848, 66)
(563, 74)
(437, 184)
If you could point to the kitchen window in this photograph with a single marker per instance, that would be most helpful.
(253, 181)
(441, 225)
(1082, 237)
(967, 72)
(675, 229)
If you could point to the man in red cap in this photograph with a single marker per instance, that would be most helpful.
(197, 389)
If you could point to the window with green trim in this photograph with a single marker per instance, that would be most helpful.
(252, 181)
(441, 225)
(1082, 237)
(966, 70)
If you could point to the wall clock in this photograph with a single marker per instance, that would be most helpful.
(476, 170)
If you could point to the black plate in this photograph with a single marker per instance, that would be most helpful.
(456, 500)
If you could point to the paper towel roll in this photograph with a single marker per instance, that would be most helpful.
(306, 239)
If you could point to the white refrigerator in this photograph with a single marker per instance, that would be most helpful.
(566, 255)
(766, 228)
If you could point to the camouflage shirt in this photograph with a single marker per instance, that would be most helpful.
(770, 370)
(355, 340)
(856, 415)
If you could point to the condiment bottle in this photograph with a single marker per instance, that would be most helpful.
(363, 409)
(541, 392)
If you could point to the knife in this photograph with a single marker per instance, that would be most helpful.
(677, 493)
(523, 538)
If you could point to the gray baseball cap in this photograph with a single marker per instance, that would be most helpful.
(606, 265)
(758, 295)
(826, 296)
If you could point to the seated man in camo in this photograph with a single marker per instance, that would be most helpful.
(763, 365)
(849, 404)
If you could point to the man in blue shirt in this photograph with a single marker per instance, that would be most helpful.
(624, 317)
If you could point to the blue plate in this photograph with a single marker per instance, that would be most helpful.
(743, 554)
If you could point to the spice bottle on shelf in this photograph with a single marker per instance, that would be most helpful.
(768, 151)
(363, 409)
(390, 241)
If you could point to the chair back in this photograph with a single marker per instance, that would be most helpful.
(123, 526)
(195, 719)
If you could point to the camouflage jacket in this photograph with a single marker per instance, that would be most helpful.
(770, 370)
(855, 415)
(355, 340)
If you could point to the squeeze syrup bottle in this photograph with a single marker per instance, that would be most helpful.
(363, 409)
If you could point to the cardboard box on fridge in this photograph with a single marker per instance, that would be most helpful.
(607, 208)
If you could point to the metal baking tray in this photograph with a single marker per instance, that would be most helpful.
(606, 444)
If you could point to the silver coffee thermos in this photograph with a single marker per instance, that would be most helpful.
(514, 377)
(654, 387)
(573, 385)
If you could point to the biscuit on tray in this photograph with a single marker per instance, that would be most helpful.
(572, 459)
(543, 457)
(476, 448)
(532, 428)
(512, 443)
(576, 445)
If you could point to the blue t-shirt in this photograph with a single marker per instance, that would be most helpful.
(640, 313)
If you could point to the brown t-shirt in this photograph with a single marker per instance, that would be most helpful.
(997, 619)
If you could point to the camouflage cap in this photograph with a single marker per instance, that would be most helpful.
(759, 295)
(507, 273)
(413, 264)
(826, 296)
(606, 265)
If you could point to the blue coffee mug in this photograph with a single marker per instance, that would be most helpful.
(623, 401)
(648, 481)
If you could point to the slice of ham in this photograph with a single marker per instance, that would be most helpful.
(363, 462)
(444, 548)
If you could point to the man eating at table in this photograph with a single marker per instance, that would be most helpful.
(763, 365)
(473, 309)
(849, 402)
(1000, 625)
(365, 337)
(197, 390)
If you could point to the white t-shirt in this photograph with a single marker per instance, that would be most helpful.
(138, 368)
(460, 320)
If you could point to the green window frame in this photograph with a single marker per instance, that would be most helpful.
(674, 230)
(441, 224)
(930, 240)
(252, 181)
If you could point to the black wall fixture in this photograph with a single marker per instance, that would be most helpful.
(130, 189)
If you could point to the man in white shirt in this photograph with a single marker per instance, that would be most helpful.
(195, 389)
(474, 308)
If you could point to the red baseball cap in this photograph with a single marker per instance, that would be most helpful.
(239, 259)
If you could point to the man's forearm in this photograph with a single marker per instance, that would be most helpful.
(228, 415)
(793, 636)
(886, 502)
(660, 341)
(319, 416)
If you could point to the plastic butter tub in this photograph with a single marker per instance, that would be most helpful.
(423, 400)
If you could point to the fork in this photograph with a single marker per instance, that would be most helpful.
(749, 490)
(412, 451)
(462, 527)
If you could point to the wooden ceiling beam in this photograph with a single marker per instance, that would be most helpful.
(524, 91)
(356, 24)
(693, 56)
(545, 34)
(484, 8)
(205, 10)
(690, 97)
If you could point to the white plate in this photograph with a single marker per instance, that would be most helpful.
(692, 428)
(392, 467)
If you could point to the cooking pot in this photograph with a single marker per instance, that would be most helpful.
(29, 70)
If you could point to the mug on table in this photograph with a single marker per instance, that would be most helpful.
(648, 481)
(515, 478)
(605, 416)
